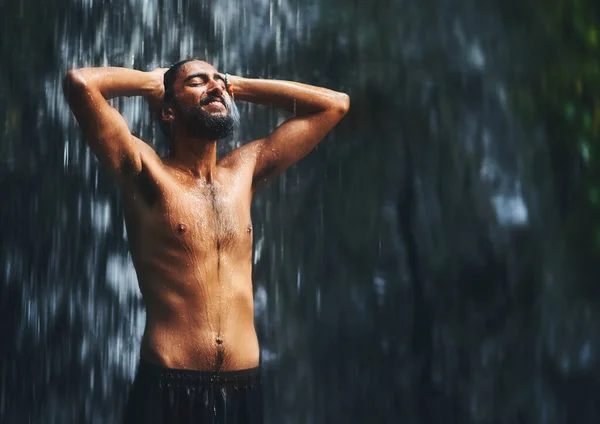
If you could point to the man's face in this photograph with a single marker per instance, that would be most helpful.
(201, 101)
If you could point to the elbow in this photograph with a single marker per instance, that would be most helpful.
(343, 103)
(73, 81)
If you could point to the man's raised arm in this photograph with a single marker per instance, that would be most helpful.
(87, 91)
(317, 111)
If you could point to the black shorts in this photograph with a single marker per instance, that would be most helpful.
(163, 395)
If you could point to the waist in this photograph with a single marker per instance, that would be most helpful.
(166, 374)
(201, 348)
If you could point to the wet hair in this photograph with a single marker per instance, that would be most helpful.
(171, 76)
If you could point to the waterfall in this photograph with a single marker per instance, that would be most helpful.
(408, 270)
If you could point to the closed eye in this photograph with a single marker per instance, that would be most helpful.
(196, 81)
(199, 79)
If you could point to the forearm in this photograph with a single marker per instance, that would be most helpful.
(298, 98)
(115, 82)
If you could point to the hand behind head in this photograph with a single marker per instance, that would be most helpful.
(155, 98)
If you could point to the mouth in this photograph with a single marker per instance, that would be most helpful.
(215, 107)
(213, 102)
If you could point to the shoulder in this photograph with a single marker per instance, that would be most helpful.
(154, 173)
(238, 165)
(242, 157)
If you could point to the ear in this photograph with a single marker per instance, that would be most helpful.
(166, 114)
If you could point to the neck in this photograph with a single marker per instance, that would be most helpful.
(196, 154)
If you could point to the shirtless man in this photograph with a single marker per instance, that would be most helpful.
(189, 227)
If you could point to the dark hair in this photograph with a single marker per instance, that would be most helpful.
(171, 76)
(168, 81)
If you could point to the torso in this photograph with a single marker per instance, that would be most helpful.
(191, 245)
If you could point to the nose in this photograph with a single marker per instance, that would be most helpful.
(214, 88)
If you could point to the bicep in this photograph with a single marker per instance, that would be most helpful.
(104, 129)
(290, 142)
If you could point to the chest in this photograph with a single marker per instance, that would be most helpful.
(203, 216)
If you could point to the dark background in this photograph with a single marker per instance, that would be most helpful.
(435, 260)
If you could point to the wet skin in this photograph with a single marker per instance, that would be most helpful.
(188, 216)
(191, 244)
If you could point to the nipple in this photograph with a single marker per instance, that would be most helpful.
(248, 229)
(181, 228)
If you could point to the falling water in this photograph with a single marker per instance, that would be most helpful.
(389, 264)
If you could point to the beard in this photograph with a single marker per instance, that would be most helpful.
(213, 126)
